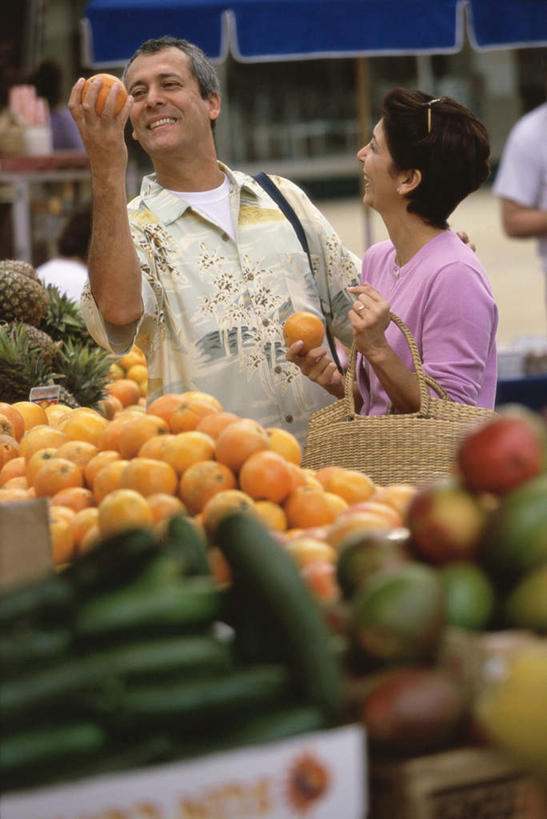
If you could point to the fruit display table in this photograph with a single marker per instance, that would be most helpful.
(23, 173)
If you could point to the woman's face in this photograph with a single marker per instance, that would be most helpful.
(380, 177)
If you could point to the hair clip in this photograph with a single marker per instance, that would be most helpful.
(429, 104)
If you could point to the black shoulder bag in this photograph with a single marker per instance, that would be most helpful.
(271, 188)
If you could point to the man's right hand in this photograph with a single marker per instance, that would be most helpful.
(318, 367)
(102, 134)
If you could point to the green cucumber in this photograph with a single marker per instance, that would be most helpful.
(46, 598)
(182, 537)
(187, 603)
(25, 752)
(265, 574)
(32, 647)
(281, 722)
(199, 703)
(114, 561)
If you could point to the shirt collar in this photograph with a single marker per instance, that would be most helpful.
(168, 207)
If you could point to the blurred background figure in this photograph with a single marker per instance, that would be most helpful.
(68, 271)
(48, 81)
(521, 181)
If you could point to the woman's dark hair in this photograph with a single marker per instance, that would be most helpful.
(76, 234)
(444, 141)
(48, 81)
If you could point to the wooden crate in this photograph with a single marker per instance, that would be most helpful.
(467, 783)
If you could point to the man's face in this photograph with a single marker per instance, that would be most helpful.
(168, 112)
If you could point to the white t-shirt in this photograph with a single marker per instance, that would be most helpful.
(215, 204)
(68, 275)
(522, 174)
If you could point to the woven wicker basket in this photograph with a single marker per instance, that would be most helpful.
(408, 448)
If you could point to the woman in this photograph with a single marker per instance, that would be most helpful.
(425, 156)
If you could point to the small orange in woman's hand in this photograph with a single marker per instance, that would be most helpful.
(108, 81)
(306, 327)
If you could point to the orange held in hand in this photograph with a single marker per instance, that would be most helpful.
(306, 327)
(108, 80)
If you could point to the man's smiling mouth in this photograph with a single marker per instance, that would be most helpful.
(159, 122)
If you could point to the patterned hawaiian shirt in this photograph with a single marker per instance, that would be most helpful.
(214, 307)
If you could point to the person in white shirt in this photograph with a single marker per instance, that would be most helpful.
(68, 271)
(521, 181)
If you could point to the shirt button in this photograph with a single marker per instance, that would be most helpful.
(225, 237)
(265, 322)
(289, 419)
(250, 277)
(277, 369)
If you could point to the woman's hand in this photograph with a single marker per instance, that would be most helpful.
(369, 318)
(318, 367)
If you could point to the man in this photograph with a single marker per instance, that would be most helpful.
(521, 181)
(202, 268)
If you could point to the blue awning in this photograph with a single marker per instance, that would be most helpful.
(254, 30)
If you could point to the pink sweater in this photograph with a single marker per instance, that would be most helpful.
(443, 296)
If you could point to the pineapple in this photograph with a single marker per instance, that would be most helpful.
(36, 339)
(63, 319)
(84, 371)
(21, 367)
(22, 298)
(16, 266)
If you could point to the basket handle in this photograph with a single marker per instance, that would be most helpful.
(424, 381)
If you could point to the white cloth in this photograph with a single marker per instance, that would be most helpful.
(68, 275)
(522, 175)
(215, 204)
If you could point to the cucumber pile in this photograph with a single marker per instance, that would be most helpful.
(132, 656)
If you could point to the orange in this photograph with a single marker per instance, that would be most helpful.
(308, 506)
(164, 405)
(298, 476)
(361, 521)
(14, 468)
(37, 459)
(6, 427)
(15, 417)
(238, 441)
(75, 497)
(190, 395)
(155, 446)
(110, 437)
(134, 356)
(396, 495)
(202, 480)
(305, 549)
(222, 504)
(323, 475)
(138, 373)
(108, 479)
(91, 537)
(81, 452)
(148, 476)
(56, 474)
(82, 521)
(165, 506)
(219, 566)
(125, 390)
(62, 538)
(109, 406)
(55, 412)
(19, 482)
(107, 81)
(32, 413)
(123, 509)
(306, 327)
(189, 413)
(320, 578)
(9, 449)
(336, 502)
(62, 512)
(272, 515)
(376, 508)
(95, 464)
(14, 494)
(214, 424)
(40, 437)
(351, 485)
(83, 424)
(115, 371)
(266, 476)
(188, 448)
(285, 444)
(137, 430)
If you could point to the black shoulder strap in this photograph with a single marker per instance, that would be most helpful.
(271, 188)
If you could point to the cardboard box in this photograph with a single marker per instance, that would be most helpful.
(467, 783)
(25, 545)
(320, 775)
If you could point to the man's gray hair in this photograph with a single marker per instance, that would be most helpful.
(200, 65)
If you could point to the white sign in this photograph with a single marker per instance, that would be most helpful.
(314, 776)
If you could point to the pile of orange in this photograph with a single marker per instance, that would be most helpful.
(184, 454)
(127, 382)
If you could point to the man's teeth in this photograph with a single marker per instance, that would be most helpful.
(164, 121)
